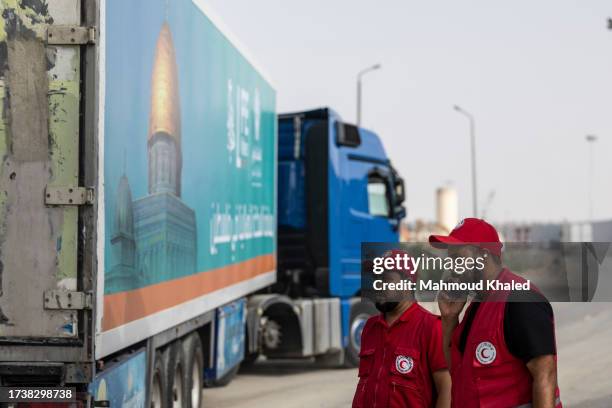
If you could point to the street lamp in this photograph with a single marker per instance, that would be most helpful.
(591, 139)
(359, 75)
(473, 148)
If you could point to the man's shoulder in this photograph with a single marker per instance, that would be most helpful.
(372, 320)
(526, 296)
(428, 318)
(522, 304)
(369, 332)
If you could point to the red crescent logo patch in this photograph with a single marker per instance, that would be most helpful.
(404, 364)
(485, 353)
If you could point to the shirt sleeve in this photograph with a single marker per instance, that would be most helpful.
(435, 352)
(529, 327)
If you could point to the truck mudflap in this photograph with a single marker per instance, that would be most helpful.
(46, 266)
(122, 383)
(229, 341)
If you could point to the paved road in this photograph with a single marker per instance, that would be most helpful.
(584, 336)
(288, 385)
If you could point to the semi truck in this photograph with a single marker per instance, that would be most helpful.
(160, 222)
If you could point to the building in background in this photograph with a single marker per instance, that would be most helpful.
(447, 208)
(447, 217)
(530, 232)
(597, 231)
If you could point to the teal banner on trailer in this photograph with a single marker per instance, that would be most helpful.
(190, 159)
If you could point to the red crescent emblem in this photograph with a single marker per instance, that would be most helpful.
(485, 352)
(404, 364)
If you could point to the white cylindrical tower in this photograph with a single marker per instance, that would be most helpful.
(447, 207)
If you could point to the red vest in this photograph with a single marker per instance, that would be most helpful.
(395, 361)
(487, 375)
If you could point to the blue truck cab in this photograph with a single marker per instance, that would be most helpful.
(336, 189)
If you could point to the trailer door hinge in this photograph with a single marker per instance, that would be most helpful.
(70, 35)
(65, 300)
(69, 195)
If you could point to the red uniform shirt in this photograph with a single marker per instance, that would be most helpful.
(396, 362)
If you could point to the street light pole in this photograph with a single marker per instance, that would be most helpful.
(473, 149)
(359, 75)
(591, 139)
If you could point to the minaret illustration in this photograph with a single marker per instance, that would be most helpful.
(124, 270)
(154, 238)
(165, 227)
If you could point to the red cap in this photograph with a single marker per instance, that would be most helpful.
(470, 231)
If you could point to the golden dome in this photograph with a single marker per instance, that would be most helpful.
(165, 107)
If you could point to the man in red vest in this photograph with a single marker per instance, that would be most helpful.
(401, 361)
(503, 353)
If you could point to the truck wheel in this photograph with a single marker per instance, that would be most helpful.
(174, 375)
(158, 385)
(193, 375)
(360, 313)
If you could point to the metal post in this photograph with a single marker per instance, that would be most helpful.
(591, 139)
(358, 101)
(473, 153)
(359, 75)
(474, 185)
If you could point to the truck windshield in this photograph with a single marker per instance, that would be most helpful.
(378, 204)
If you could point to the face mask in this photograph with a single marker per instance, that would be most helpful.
(386, 307)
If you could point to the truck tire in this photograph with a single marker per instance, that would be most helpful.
(193, 374)
(360, 313)
(158, 384)
(174, 375)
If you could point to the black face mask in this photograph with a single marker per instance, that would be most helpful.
(386, 307)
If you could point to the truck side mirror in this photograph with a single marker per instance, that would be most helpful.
(399, 212)
(400, 194)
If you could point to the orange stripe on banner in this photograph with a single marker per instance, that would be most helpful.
(124, 307)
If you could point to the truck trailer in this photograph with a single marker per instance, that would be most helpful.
(160, 222)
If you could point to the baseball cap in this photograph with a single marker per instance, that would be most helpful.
(470, 231)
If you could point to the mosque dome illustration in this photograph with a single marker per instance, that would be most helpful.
(164, 136)
(154, 238)
(165, 226)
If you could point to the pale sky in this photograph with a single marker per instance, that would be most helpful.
(537, 75)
